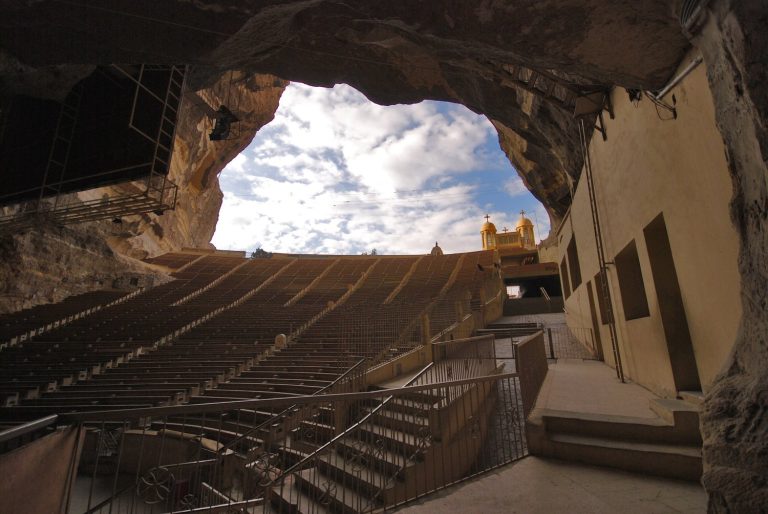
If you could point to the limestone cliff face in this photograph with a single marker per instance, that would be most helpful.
(734, 44)
(47, 263)
(404, 51)
(398, 51)
(197, 162)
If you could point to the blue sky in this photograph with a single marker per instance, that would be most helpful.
(335, 173)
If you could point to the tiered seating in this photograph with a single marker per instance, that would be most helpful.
(263, 316)
(482, 280)
(362, 325)
(431, 274)
(475, 271)
(41, 316)
(254, 325)
(106, 338)
(132, 354)
(287, 372)
(173, 260)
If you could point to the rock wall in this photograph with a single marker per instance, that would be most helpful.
(398, 51)
(734, 44)
(197, 162)
(401, 51)
(48, 263)
(394, 52)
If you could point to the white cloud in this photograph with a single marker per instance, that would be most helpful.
(335, 173)
(515, 187)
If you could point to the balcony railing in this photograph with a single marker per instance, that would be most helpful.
(337, 451)
(354, 452)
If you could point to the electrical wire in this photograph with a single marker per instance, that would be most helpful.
(658, 103)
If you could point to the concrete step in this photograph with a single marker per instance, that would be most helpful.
(315, 432)
(680, 413)
(692, 397)
(364, 480)
(336, 496)
(398, 420)
(673, 461)
(622, 428)
(288, 498)
(376, 456)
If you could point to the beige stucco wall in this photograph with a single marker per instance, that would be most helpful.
(548, 251)
(678, 167)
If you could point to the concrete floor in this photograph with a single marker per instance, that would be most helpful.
(546, 486)
(592, 387)
(546, 319)
(536, 485)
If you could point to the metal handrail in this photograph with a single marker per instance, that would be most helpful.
(119, 492)
(412, 457)
(128, 414)
(270, 421)
(26, 428)
(357, 424)
(340, 378)
(465, 340)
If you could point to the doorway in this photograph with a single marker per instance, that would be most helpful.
(671, 308)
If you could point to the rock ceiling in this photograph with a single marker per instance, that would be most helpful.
(398, 51)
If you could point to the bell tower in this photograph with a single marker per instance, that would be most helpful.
(488, 233)
(524, 227)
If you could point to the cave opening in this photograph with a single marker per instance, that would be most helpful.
(335, 173)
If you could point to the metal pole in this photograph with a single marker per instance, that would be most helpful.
(551, 346)
(675, 81)
(601, 252)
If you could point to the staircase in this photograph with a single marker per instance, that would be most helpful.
(668, 446)
(400, 449)
(360, 471)
(502, 330)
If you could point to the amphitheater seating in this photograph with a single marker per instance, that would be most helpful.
(173, 260)
(41, 316)
(162, 347)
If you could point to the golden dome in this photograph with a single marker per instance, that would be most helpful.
(523, 221)
(488, 226)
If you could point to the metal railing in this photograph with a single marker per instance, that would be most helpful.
(196, 456)
(564, 342)
(358, 452)
(274, 428)
(20, 435)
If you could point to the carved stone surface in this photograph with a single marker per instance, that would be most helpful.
(394, 52)
(401, 51)
(734, 43)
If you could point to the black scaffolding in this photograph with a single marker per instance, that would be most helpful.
(115, 128)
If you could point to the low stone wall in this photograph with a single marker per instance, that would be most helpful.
(409, 361)
(531, 363)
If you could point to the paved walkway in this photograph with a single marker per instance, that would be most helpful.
(546, 319)
(547, 486)
(592, 387)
